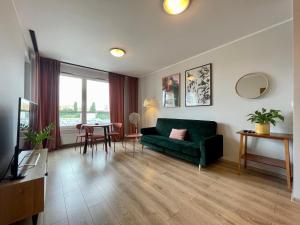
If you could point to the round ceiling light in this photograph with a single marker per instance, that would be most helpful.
(117, 52)
(175, 7)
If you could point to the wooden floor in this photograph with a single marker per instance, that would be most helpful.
(156, 189)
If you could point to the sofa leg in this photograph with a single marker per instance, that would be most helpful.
(200, 167)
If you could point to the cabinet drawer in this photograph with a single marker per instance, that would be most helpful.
(21, 200)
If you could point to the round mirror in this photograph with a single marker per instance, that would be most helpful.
(252, 85)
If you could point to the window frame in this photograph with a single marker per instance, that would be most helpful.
(84, 80)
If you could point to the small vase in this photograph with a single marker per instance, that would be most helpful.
(262, 128)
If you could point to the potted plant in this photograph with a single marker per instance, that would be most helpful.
(263, 118)
(36, 138)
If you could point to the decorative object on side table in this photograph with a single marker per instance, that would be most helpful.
(36, 138)
(134, 118)
(263, 118)
(170, 90)
(198, 90)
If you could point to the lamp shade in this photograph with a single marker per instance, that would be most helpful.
(149, 103)
(117, 52)
(175, 7)
(146, 103)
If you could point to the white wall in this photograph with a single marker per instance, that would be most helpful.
(12, 63)
(296, 190)
(27, 80)
(269, 51)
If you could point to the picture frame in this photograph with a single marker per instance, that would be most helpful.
(171, 91)
(198, 86)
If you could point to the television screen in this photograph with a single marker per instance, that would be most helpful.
(15, 120)
(8, 131)
(27, 122)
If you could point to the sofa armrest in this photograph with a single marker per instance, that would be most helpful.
(211, 148)
(148, 131)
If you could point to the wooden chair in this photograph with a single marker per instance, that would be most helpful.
(93, 138)
(134, 119)
(116, 133)
(80, 135)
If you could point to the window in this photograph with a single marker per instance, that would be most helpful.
(70, 101)
(97, 102)
(83, 101)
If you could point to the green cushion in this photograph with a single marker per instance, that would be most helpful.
(162, 141)
(196, 129)
(190, 148)
(186, 147)
(183, 156)
(178, 155)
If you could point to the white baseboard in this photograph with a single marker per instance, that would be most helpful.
(294, 199)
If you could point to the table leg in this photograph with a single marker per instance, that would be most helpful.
(85, 143)
(35, 219)
(287, 163)
(240, 152)
(105, 139)
(134, 140)
(109, 139)
(245, 152)
(125, 142)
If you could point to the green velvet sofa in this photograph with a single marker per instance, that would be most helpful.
(202, 145)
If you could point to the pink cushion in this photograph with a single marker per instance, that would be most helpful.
(178, 134)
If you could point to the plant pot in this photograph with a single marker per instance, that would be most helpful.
(38, 147)
(262, 128)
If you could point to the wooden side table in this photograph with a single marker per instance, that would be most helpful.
(285, 164)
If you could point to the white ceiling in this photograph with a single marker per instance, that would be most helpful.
(83, 31)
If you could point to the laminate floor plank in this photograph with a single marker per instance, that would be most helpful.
(152, 188)
(186, 191)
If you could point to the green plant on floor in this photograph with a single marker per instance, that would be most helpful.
(265, 117)
(36, 138)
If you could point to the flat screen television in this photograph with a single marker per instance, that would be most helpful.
(27, 120)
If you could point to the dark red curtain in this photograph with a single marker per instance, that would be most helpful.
(132, 94)
(116, 98)
(48, 99)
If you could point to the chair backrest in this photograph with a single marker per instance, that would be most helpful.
(79, 127)
(89, 130)
(117, 127)
(134, 118)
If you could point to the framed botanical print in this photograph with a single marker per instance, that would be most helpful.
(198, 87)
(170, 90)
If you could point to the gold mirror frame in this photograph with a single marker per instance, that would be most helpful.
(263, 75)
